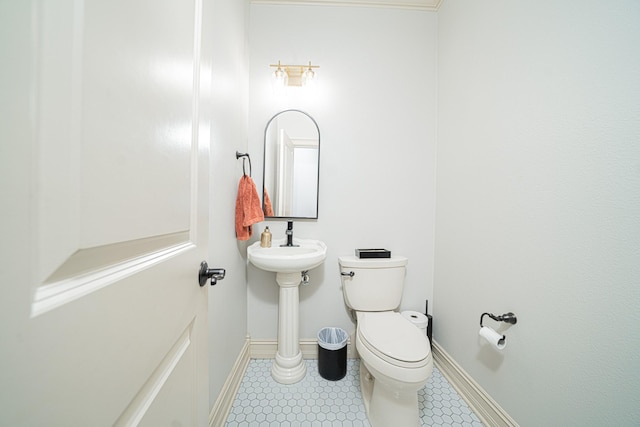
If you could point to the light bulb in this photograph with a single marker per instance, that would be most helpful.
(281, 76)
(308, 76)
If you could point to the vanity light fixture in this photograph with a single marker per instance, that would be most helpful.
(294, 75)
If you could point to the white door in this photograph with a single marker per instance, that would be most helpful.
(284, 177)
(103, 212)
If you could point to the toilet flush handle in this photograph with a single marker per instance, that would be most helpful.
(350, 274)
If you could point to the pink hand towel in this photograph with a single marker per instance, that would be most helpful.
(268, 207)
(248, 208)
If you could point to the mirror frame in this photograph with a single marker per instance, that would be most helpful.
(264, 168)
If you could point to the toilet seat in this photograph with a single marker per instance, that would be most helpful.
(393, 338)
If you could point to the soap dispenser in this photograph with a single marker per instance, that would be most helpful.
(265, 238)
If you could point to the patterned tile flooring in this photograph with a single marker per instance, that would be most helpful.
(315, 401)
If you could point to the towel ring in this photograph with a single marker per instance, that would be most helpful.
(244, 155)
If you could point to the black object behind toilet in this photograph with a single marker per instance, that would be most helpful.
(429, 325)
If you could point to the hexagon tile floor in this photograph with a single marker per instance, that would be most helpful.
(315, 401)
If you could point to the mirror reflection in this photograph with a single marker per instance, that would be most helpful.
(291, 166)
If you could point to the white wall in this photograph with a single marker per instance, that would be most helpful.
(538, 204)
(376, 109)
(228, 299)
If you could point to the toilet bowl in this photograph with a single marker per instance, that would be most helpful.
(395, 362)
(395, 355)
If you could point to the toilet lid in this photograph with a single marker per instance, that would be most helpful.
(389, 334)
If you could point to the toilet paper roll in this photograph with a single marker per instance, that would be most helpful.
(492, 337)
(417, 318)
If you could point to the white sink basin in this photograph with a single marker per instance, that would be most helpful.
(288, 259)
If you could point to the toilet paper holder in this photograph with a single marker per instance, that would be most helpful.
(507, 317)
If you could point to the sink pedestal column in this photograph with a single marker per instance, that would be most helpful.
(288, 366)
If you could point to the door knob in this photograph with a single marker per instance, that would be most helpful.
(207, 273)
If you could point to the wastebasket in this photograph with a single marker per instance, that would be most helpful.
(332, 353)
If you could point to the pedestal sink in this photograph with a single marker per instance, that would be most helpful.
(288, 263)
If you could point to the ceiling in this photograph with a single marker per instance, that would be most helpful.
(401, 4)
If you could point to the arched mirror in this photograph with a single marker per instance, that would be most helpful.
(291, 166)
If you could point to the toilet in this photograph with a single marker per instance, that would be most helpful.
(395, 355)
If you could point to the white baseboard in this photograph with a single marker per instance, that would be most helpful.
(489, 412)
(266, 349)
(224, 402)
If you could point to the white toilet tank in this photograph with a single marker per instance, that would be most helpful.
(376, 283)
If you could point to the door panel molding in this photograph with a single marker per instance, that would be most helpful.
(91, 269)
(144, 399)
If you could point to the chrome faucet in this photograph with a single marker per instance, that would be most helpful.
(289, 234)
